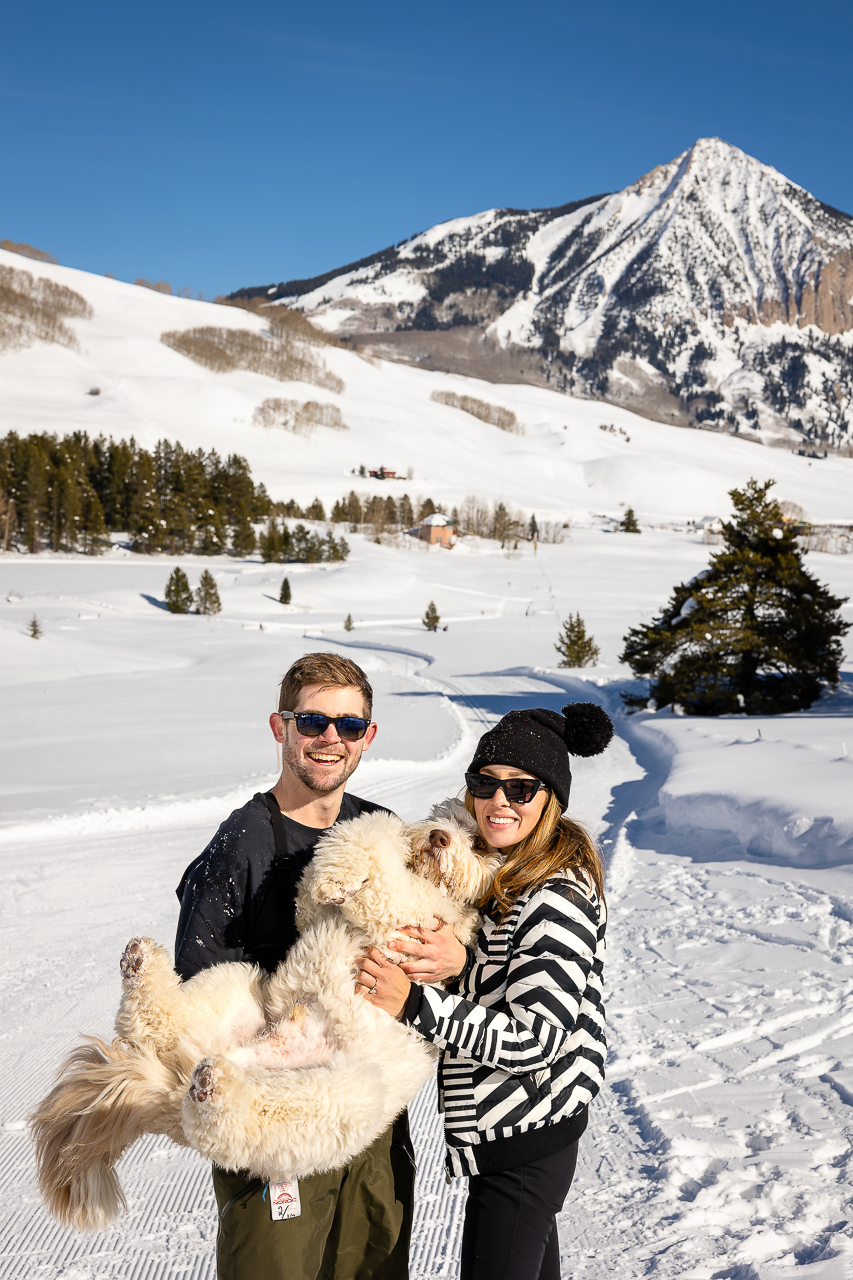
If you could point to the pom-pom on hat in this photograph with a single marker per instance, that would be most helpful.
(540, 742)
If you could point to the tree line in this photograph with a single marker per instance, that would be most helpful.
(475, 516)
(70, 493)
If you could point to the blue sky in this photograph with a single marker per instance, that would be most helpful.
(219, 145)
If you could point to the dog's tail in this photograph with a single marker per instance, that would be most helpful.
(106, 1096)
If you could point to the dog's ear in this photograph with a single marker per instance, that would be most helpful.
(453, 810)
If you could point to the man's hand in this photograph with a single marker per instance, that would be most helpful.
(437, 954)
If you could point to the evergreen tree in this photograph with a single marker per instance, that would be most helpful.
(210, 532)
(628, 523)
(575, 647)
(348, 622)
(334, 548)
(95, 536)
(405, 513)
(315, 511)
(272, 542)
(431, 618)
(427, 508)
(284, 594)
(206, 596)
(754, 632)
(34, 628)
(353, 509)
(307, 548)
(179, 598)
(243, 540)
(374, 513)
(503, 524)
(532, 529)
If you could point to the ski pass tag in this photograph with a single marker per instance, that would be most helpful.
(284, 1200)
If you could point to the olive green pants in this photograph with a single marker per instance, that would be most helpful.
(355, 1222)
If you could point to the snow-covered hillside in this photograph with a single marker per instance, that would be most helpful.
(712, 291)
(563, 467)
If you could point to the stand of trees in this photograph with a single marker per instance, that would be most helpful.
(70, 493)
(279, 544)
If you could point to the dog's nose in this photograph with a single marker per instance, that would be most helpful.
(439, 838)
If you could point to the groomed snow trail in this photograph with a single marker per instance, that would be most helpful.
(719, 1148)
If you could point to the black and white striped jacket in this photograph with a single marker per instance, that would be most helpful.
(523, 1040)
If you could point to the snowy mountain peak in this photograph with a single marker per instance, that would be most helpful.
(713, 292)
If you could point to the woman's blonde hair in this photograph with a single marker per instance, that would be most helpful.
(556, 844)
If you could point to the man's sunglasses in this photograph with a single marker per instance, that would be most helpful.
(312, 725)
(516, 790)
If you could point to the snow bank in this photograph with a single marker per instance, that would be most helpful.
(777, 788)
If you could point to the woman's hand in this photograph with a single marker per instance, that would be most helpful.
(382, 983)
(437, 954)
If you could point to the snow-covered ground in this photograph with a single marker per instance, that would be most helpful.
(720, 1146)
(562, 467)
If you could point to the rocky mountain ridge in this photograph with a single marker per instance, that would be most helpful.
(712, 292)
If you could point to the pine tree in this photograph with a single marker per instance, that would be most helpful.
(628, 523)
(206, 596)
(95, 536)
(243, 540)
(754, 632)
(575, 647)
(348, 622)
(431, 618)
(284, 594)
(272, 542)
(532, 529)
(34, 628)
(179, 598)
(210, 532)
(405, 514)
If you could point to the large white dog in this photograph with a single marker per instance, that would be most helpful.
(286, 1075)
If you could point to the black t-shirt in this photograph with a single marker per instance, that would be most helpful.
(238, 897)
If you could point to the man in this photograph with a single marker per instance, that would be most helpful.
(238, 903)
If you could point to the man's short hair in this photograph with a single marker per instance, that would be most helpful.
(327, 669)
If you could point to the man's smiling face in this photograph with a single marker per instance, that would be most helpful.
(323, 764)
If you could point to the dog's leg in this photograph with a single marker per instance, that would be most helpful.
(106, 1097)
(338, 883)
(217, 1007)
(151, 1006)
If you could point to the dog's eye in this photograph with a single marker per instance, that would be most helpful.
(479, 844)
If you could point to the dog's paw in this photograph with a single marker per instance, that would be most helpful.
(334, 890)
(204, 1087)
(133, 960)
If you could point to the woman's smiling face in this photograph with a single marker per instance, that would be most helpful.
(503, 824)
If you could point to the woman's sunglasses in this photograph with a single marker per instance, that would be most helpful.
(312, 725)
(516, 790)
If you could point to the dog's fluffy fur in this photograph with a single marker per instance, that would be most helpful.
(286, 1075)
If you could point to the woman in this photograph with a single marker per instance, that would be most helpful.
(520, 1023)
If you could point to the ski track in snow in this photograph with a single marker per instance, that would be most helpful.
(719, 1147)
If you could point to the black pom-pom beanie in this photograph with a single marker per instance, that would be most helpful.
(540, 742)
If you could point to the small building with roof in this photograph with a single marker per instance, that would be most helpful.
(437, 529)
